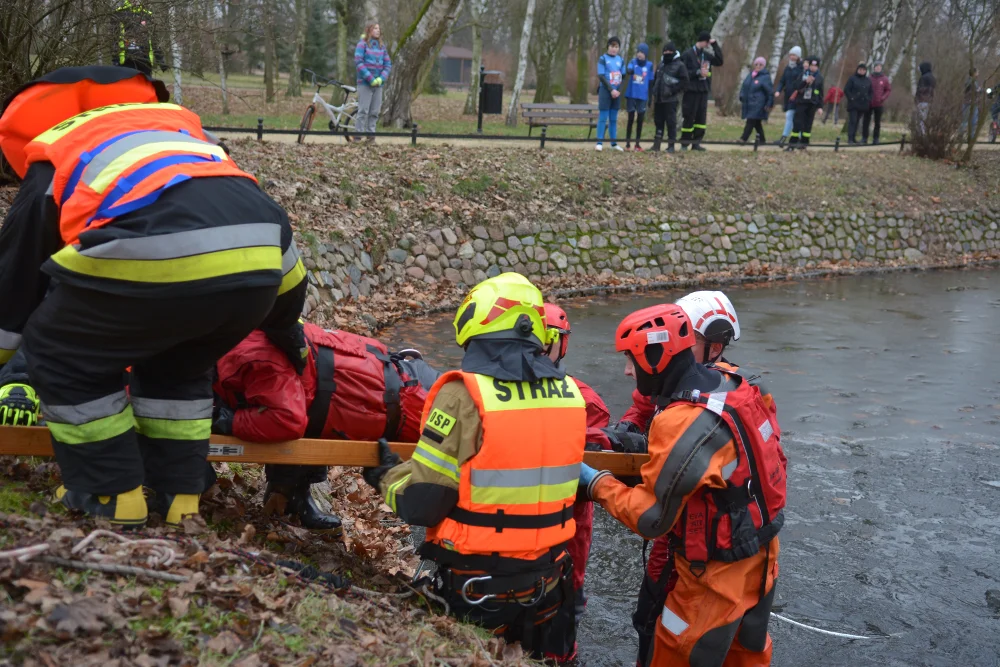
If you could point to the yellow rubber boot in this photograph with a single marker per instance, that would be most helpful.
(176, 507)
(125, 509)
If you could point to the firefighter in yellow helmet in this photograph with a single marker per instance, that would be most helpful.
(134, 241)
(495, 471)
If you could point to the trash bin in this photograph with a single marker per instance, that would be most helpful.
(492, 101)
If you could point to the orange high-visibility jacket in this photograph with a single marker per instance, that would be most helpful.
(516, 495)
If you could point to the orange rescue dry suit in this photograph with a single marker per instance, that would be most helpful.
(716, 483)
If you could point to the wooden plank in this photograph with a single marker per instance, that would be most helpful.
(34, 441)
(571, 116)
(560, 107)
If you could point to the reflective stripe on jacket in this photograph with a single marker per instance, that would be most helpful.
(115, 160)
(516, 495)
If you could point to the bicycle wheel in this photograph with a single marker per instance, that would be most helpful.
(349, 124)
(307, 121)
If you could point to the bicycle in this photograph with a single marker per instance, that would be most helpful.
(342, 118)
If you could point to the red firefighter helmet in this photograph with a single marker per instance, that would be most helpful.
(652, 336)
(557, 324)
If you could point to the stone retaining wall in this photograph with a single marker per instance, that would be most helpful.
(651, 248)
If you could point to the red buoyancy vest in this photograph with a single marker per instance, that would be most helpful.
(733, 523)
(117, 159)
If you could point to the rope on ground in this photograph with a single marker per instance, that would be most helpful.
(831, 633)
(161, 554)
(110, 568)
(24, 554)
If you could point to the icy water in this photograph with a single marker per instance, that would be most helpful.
(888, 393)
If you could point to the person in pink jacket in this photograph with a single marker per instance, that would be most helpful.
(881, 89)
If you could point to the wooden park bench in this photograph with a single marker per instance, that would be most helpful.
(545, 114)
(35, 441)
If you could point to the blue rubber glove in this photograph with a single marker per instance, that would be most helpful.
(587, 475)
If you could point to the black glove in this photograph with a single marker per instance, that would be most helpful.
(387, 460)
(626, 442)
(291, 341)
(626, 427)
(222, 419)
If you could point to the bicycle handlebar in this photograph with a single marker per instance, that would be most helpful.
(319, 81)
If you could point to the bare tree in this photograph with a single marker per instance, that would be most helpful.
(761, 19)
(778, 47)
(173, 28)
(725, 24)
(918, 10)
(581, 90)
(294, 68)
(415, 46)
(979, 21)
(549, 40)
(477, 8)
(522, 64)
(882, 37)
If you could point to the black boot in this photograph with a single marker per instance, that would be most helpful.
(656, 142)
(296, 501)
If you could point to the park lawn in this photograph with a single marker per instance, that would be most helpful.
(442, 114)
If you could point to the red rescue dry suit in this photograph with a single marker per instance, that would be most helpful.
(363, 393)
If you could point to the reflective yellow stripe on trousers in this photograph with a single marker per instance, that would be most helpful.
(173, 419)
(93, 421)
(180, 257)
(525, 486)
(293, 271)
(9, 342)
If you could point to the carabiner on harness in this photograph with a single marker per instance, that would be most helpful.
(481, 600)
(538, 597)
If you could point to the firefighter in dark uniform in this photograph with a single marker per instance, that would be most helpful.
(134, 241)
(699, 61)
(135, 36)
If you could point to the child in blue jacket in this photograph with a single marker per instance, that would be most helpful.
(640, 74)
(609, 73)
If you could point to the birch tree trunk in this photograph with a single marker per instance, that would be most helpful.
(175, 54)
(583, 40)
(294, 74)
(914, 73)
(918, 15)
(418, 43)
(882, 36)
(222, 82)
(778, 48)
(763, 8)
(522, 64)
(477, 8)
(726, 23)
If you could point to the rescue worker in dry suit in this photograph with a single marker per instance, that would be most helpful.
(352, 389)
(715, 483)
(600, 437)
(134, 240)
(494, 475)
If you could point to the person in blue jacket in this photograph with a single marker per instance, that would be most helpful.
(609, 74)
(791, 77)
(757, 97)
(640, 74)
(371, 58)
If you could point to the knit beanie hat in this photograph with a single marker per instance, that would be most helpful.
(863, 65)
(759, 60)
(796, 51)
(704, 36)
(644, 49)
(669, 48)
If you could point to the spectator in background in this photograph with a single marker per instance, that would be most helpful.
(858, 91)
(372, 61)
(698, 61)
(790, 80)
(640, 73)
(757, 97)
(609, 73)
(972, 92)
(925, 94)
(671, 78)
(809, 100)
(832, 101)
(881, 89)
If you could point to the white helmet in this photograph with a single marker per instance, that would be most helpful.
(712, 315)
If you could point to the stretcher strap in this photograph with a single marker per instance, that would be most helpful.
(326, 386)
